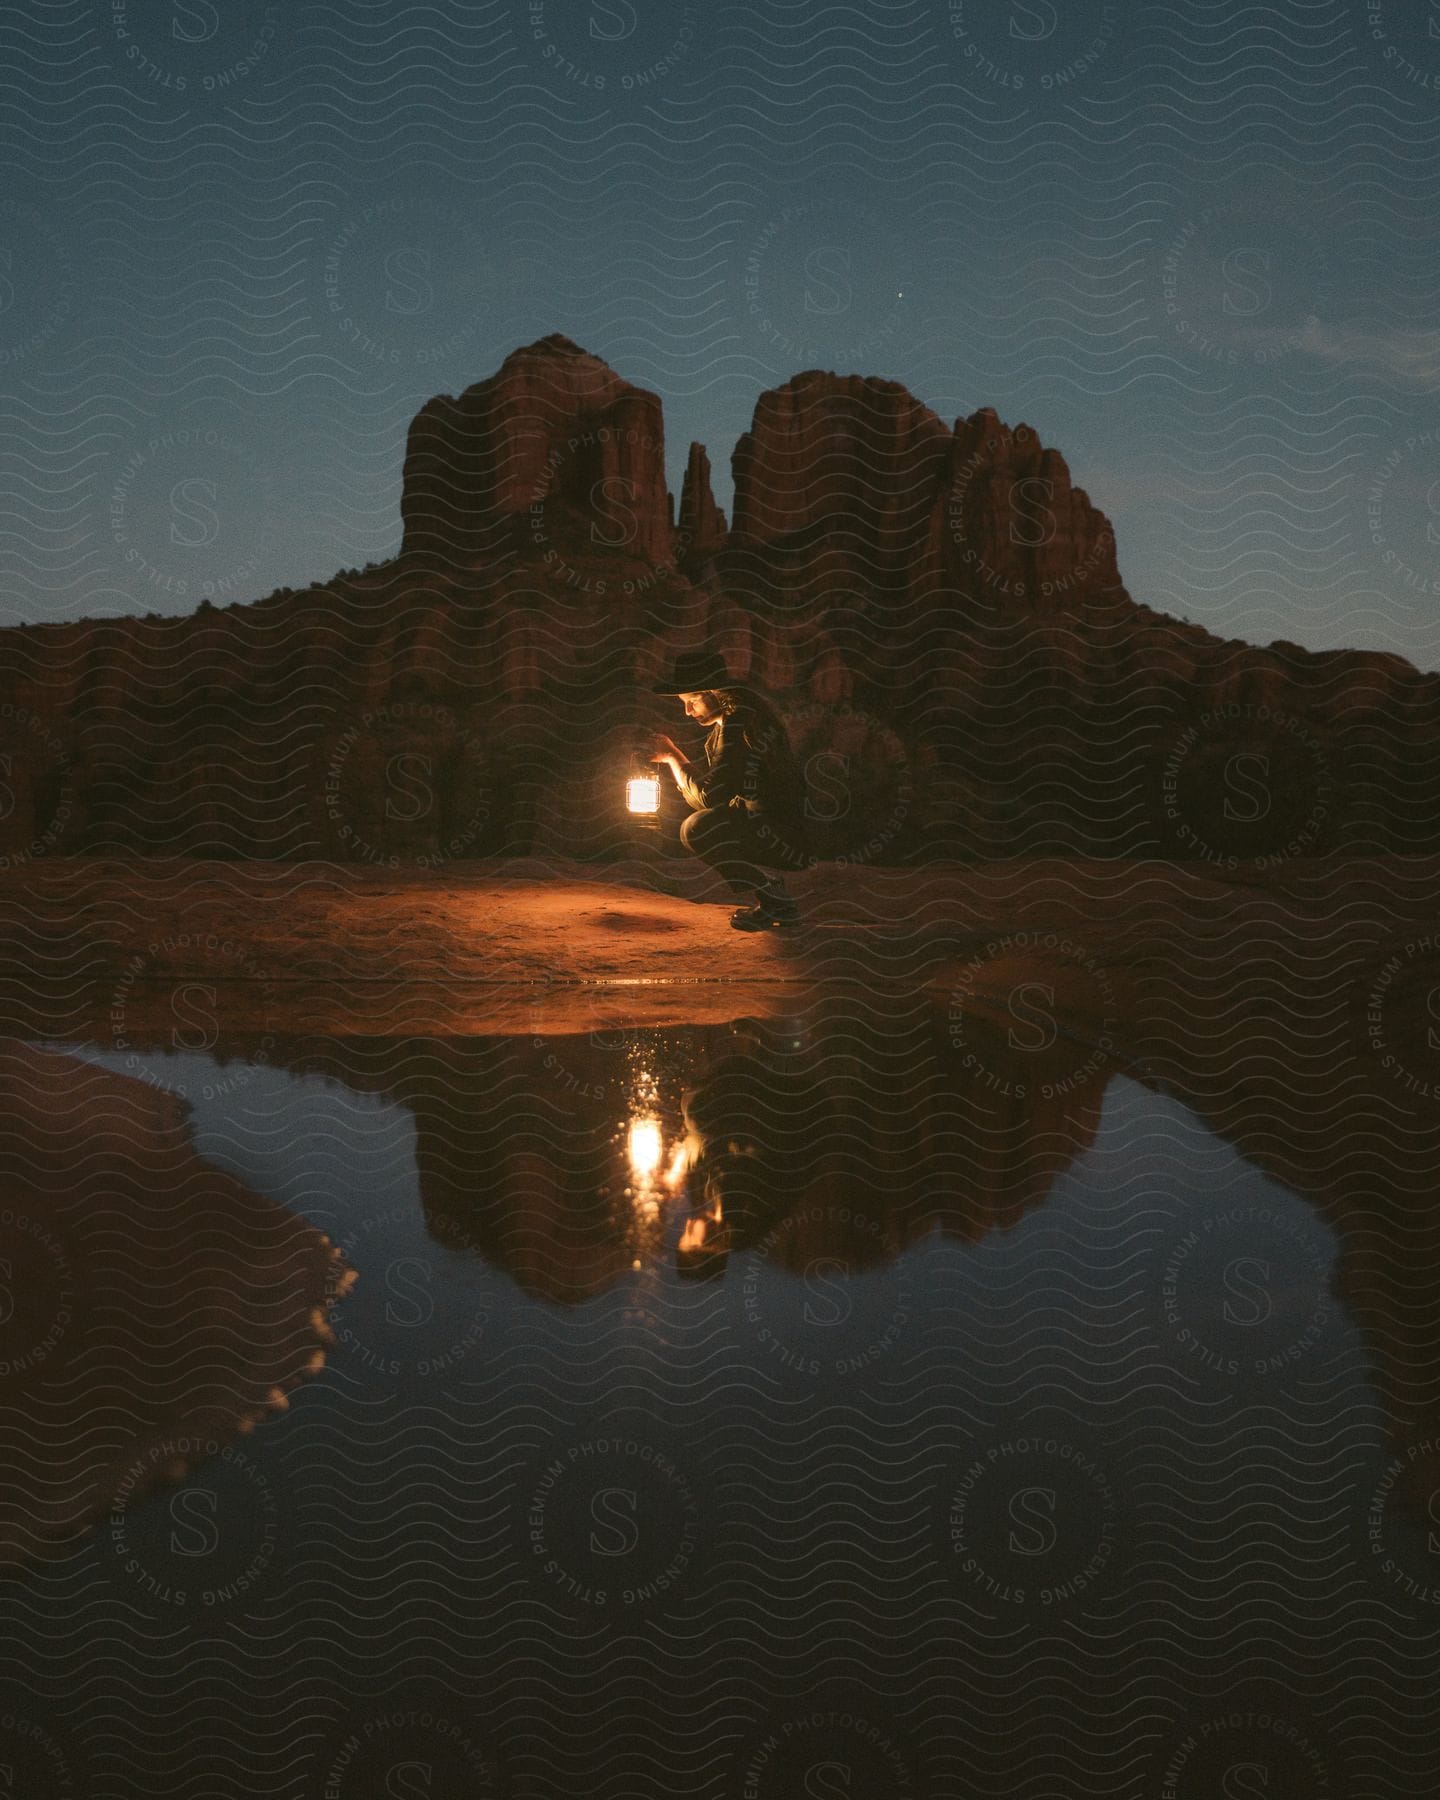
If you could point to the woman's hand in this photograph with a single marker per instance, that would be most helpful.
(667, 751)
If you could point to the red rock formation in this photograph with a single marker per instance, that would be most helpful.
(835, 483)
(702, 530)
(851, 481)
(553, 449)
(947, 596)
(1010, 527)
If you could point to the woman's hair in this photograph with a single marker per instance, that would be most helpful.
(764, 726)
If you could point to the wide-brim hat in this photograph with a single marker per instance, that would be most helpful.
(694, 672)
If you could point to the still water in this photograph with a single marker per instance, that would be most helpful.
(787, 1408)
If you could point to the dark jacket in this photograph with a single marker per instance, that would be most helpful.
(749, 763)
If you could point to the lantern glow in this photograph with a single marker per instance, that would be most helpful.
(642, 793)
(646, 1146)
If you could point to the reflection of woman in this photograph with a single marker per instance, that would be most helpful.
(731, 1193)
(748, 797)
(882, 1129)
(754, 1131)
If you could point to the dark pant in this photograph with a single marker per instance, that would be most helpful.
(740, 846)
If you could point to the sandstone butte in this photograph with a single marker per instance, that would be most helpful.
(937, 610)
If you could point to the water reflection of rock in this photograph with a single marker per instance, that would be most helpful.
(151, 1307)
(526, 1152)
(526, 1149)
(1333, 1095)
(946, 1124)
(877, 1125)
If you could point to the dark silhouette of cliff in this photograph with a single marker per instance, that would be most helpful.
(937, 610)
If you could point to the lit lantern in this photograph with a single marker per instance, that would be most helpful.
(642, 796)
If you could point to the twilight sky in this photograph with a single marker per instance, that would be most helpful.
(1196, 246)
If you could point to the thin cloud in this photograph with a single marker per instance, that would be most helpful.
(1409, 357)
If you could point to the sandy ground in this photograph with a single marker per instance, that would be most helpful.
(99, 948)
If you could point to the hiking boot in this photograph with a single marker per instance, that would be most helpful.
(750, 918)
(783, 908)
(772, 910)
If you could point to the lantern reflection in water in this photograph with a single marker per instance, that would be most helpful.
(652, 1141)
(645, 1144)
(646, 1148)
